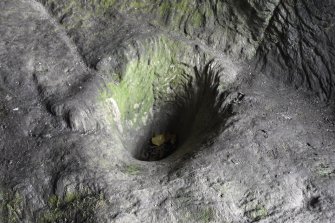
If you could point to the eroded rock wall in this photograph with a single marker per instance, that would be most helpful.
(234, 27)
(299, 46)
(294, 38)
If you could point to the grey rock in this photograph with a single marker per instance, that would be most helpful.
(246, 85)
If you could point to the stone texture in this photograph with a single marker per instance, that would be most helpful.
(299, 46)
(255, 149)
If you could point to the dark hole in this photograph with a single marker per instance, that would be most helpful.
(193, 115)
(314, 203)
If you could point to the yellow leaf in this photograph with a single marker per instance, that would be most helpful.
(158, 140)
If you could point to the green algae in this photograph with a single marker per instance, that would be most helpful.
(147, 80)
(11, 206)
(258, 213)
(131, 169)
(80, 205)
(200, 214)
(108, 3)
(138, 4)
(206, 215)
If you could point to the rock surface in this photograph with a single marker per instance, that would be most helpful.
(246, 86)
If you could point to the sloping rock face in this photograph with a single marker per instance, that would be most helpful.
(167, 111)
(233, 27)
(299, 46)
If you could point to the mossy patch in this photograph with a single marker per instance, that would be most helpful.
(11, 206)
(138, 4)
(176, 14)
(107, 3)
(131, 169)
(257, 214)
(324, 170)
(79, 207)
(201, 215)
(206, 215)
(147, 81)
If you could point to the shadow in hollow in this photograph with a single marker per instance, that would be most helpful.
(197, 113)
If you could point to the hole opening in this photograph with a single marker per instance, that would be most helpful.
(194, 114)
